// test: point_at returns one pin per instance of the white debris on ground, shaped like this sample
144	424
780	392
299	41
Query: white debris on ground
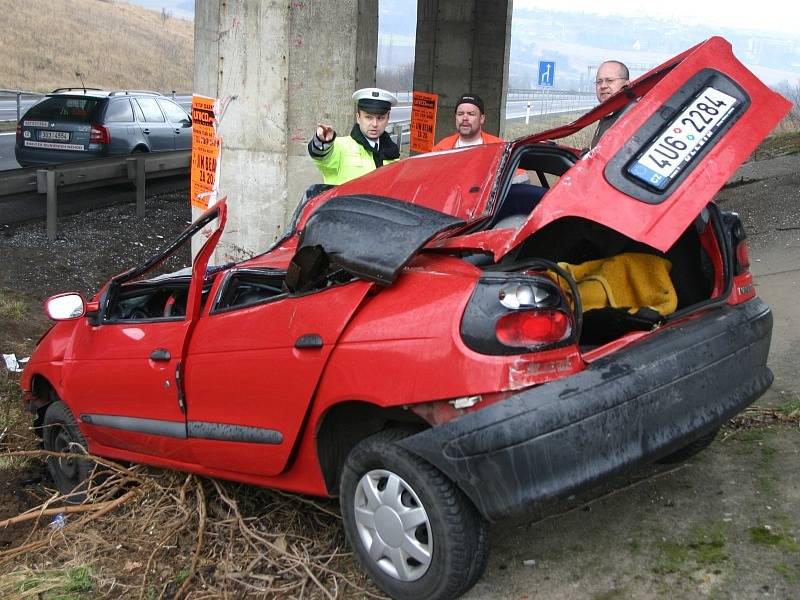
12	364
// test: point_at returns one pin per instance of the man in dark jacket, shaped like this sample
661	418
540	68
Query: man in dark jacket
366	148
612	76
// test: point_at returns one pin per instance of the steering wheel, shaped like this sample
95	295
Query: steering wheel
138	313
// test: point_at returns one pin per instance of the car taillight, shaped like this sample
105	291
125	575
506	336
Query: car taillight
512	313
99	135
742	257
19	132
532	328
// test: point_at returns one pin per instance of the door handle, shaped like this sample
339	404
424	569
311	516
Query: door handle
147	131
160	355
309	340
177	131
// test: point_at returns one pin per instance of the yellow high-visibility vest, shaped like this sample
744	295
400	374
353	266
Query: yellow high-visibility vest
346	160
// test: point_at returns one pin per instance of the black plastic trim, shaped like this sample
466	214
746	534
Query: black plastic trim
192	429
629	408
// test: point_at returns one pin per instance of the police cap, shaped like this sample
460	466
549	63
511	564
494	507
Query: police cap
374	100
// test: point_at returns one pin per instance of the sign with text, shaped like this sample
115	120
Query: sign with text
547	73
423	121
205	153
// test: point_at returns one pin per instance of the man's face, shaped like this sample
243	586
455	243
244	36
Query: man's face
469	119
609	81
372	125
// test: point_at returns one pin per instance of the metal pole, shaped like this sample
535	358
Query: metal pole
397	132
528	113
52	206
19	106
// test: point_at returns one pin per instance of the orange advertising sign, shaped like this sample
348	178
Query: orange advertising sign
205	152
423	121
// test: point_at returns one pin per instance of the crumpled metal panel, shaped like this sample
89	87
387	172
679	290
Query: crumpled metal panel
371	237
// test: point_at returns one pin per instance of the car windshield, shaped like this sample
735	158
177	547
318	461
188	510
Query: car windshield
73	109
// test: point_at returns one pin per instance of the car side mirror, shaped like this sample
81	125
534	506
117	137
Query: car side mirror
65	307
187	122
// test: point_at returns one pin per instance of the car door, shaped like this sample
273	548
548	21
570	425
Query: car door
123	130
254	363
689	124
123	370
181	123
157	131
251	373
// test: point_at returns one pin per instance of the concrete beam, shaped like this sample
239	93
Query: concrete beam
463	46
284	67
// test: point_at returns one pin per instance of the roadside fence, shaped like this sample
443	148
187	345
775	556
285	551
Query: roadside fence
82	175
15	96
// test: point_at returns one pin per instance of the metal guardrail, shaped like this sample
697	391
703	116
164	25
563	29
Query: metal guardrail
17	94
81	175
401	133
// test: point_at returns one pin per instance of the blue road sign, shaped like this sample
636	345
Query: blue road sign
547	72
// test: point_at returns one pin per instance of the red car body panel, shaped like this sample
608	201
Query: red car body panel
246	390
455	182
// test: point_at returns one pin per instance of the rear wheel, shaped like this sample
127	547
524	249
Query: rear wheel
412	529
60	433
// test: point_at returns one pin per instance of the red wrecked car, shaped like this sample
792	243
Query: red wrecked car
437	346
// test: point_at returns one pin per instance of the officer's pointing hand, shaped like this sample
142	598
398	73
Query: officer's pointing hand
325	133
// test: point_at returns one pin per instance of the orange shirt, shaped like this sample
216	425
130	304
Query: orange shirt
449	142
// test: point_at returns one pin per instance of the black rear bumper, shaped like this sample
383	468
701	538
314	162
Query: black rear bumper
633	407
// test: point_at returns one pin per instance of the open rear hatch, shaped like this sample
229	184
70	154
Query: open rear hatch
688	126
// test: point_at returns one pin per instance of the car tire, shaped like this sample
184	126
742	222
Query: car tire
441	549
60	433
689	450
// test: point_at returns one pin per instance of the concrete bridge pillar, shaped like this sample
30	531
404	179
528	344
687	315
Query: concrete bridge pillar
463	46
283	67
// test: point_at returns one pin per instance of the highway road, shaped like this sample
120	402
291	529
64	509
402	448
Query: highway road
515	109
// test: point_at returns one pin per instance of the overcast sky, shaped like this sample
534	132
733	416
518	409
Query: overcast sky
775	15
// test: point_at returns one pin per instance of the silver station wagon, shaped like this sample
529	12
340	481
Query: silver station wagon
77	124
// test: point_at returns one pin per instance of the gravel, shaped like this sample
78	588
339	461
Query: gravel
91	246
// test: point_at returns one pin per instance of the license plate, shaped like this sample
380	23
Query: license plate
60	136
682	139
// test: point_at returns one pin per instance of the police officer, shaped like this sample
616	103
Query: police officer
366	148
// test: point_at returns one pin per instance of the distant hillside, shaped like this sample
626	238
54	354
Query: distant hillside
113	44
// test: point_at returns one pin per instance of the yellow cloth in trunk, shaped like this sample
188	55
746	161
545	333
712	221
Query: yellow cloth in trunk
631	281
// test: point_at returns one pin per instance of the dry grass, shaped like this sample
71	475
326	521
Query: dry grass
145	533
114	45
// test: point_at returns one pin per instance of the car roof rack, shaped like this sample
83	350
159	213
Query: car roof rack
128	92
71	89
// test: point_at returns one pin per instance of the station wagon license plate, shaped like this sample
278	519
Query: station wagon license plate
54	146
682	139
59	136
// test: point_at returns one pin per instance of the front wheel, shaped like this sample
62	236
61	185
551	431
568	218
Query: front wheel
413	531
60	433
